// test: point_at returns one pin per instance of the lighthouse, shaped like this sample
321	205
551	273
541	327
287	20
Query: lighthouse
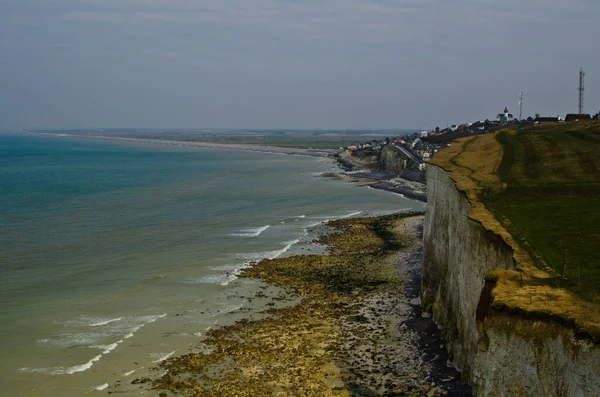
505	117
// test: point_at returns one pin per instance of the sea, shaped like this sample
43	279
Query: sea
116	255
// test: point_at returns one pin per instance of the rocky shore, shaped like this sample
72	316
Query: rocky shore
411	190
357	330
385	181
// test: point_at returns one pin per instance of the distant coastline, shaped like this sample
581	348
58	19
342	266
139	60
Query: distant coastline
210	145
376	180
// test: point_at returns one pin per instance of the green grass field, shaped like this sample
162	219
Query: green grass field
551	199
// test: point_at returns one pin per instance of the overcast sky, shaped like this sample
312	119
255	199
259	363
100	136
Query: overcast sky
292	63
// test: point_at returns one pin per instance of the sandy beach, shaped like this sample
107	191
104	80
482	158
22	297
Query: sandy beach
223	146
356	331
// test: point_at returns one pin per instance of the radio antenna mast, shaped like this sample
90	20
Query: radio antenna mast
581	89
520	106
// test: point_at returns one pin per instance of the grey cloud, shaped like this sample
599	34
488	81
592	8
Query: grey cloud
328	63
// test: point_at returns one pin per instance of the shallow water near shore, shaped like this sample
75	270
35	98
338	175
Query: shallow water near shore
117	255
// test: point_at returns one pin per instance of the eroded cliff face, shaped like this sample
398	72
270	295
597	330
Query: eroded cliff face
457	255
498	357
392	160
520	357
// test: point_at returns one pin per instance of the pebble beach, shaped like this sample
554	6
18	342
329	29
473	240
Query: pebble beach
355	330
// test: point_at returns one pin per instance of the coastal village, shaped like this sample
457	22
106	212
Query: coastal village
418	148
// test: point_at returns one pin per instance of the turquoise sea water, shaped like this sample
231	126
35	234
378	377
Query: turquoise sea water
116	255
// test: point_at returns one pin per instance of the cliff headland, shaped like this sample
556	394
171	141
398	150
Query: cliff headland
509	268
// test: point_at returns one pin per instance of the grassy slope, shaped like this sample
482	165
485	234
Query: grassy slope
552	199
543	189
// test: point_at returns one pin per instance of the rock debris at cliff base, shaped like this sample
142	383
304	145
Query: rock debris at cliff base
345	338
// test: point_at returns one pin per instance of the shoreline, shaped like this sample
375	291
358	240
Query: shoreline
403	190
381	180
384	181
177	332
356	331
208	145
378	180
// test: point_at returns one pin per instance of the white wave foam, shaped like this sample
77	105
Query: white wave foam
227	268
128	326
277	254
104	322
76	368
229	278
145	321
256	256
70	340
386	191
104	330
221	279
228	309
351	214
108	348
129	372
33	370
131	325
316	224
152	318
101	387
251	232
92	321
162	356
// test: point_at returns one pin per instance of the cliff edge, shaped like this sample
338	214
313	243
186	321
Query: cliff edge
513	325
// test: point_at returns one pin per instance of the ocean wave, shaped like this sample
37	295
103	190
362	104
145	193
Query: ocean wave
104	322
126	327
108	348
151	318
250	232
72	340
161	356
316	224
32	370
101	387
255	256
230	267
90	321
388	191
277	253
145	320
221	279
292	219
230	278
228	309
76	368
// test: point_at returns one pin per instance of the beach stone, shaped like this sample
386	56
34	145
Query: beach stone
345	333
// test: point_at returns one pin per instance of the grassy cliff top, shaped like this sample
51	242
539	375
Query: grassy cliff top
539	189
